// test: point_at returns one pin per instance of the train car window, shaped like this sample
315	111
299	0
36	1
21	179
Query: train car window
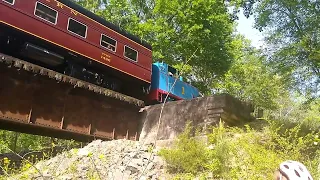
172	70
77	28
46	13
131	53
108	42
9	1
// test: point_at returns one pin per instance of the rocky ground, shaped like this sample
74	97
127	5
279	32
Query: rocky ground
118	159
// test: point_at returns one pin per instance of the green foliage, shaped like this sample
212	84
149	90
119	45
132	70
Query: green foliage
249	79
244	153
312	114
292	142
17	142
188	156
297	109
196	32
292	33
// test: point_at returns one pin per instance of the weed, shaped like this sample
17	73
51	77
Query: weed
189	156
242	153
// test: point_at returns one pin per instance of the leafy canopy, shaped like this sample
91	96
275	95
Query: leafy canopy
195	31
292	32
250	79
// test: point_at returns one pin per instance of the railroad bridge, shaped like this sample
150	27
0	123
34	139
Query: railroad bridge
39	101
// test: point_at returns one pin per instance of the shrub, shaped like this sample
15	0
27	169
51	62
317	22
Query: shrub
187	156
291	142
243	153
240	154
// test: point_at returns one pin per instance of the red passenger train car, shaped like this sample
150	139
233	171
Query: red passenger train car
63	36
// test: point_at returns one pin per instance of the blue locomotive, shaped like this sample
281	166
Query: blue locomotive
165	80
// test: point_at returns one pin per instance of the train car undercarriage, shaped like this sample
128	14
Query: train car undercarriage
37	100
39	52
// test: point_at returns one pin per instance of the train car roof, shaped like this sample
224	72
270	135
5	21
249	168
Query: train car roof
99	19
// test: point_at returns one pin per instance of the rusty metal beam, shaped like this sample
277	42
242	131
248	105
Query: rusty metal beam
40	105
19	64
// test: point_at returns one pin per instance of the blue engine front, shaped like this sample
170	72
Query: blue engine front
165	80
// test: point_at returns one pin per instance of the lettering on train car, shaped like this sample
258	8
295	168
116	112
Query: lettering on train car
59	4
106	57
74	12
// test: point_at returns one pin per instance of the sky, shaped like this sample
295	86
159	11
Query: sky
245	27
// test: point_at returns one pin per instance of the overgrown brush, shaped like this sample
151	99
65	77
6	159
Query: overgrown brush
242	153
189	156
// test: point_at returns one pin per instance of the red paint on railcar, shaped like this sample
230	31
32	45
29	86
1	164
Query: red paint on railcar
159	95
21	17
77	15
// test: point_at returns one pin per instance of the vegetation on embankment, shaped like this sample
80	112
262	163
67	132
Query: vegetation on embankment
282	78
253	151
243	153
16	142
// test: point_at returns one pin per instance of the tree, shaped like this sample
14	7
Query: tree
16	142
196	32
249	79
292	33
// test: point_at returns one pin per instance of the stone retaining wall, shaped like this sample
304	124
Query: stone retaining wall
202	112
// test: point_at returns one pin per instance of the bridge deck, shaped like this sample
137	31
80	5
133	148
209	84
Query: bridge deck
39	101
